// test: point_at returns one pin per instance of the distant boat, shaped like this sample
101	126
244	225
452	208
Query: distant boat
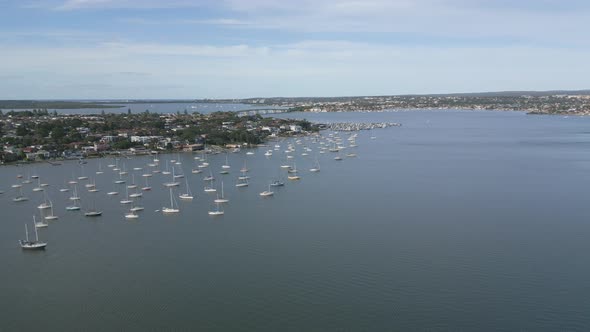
19	196
267	193
32	245
217	211
244	168
147	185
51	216
293	172
39	224
74	207
38	188
316	166
226	165
92	211
173	183
188	195
242	182
277	183
75	196
221	199
173	205
126	200
131	215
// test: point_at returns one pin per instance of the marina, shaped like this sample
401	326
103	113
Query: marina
424	211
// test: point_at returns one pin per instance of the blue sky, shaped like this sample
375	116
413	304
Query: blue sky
97	49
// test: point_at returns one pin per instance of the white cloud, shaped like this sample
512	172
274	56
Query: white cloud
328	67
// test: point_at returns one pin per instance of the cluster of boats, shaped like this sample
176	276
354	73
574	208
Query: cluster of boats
171	171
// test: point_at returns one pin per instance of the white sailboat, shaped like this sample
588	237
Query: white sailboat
131	215
173	207
120	181
316	167
52	216
92	211
126	200
293	175
132	185
39	224
147	184
221	199
173	183
267	193
242	182
38	187
75	196
74	207
45	204
167	171
217	211
32	245
99	171
226	165
188	195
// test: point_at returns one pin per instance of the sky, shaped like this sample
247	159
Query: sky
119	49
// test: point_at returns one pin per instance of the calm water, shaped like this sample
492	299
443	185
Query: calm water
203	108
454	221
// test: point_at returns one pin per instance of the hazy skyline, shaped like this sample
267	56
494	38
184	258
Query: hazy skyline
260	48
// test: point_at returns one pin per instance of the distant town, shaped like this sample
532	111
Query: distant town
36	135
34	130
532	102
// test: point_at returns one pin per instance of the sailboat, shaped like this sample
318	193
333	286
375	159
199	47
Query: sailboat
51	216
120	181
126	200
19	197
209	188
166	172
242	182
267	193
147	185
39	224
316	167
32	245
45	204
293	172
93	212
132	185
210	177
244	168
221	199
82	177
172	208
75	196
226	165
243	176
38	188
99	171
188	195
277	183
74	207
217	211
131	215
173	183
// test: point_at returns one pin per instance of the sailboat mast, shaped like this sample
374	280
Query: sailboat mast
27	230
36	234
